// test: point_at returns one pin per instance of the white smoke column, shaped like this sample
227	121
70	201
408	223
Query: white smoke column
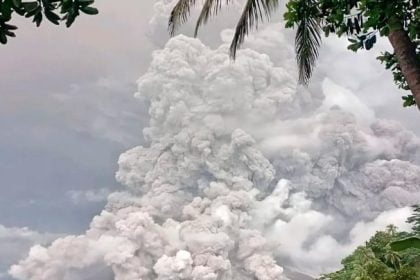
192	190
16	242
241	171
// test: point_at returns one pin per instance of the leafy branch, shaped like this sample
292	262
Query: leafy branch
55	11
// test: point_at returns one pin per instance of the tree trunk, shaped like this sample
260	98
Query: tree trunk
406	55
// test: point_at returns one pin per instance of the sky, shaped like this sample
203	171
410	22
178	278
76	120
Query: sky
67	112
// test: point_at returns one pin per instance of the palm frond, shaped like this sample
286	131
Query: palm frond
210	7
179	14
254	12
307	43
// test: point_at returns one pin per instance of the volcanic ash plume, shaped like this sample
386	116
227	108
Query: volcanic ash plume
188	211
238	168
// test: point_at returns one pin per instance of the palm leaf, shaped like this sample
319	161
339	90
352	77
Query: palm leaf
400	245
307	43
254	11
210	7
180	14
308	35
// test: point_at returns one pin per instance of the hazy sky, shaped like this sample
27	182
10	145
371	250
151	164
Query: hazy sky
67	112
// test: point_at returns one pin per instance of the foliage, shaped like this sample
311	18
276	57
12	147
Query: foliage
362	21
251	15
254	11
54	11
378	259
308	38
403	244
414	220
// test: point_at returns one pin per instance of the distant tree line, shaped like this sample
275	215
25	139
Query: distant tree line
388	255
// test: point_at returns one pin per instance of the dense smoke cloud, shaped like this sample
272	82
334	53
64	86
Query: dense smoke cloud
244	172
15	243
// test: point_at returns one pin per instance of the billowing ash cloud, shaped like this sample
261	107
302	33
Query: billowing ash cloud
15	243
243	173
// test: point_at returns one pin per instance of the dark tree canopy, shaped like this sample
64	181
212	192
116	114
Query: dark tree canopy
55	11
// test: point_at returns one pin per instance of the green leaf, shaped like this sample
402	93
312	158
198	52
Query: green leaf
355	46
9	33
51	16
89	10
393	25
3	38
412	242
30	6
384	31
6	11
17	3
86	2
20	10
10	27
66	5
70	17
370	42
38	19
36	11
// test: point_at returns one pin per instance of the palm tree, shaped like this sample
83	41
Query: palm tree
393	259
391	230
401	30
308	35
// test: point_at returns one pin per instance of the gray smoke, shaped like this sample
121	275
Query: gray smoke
244	172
